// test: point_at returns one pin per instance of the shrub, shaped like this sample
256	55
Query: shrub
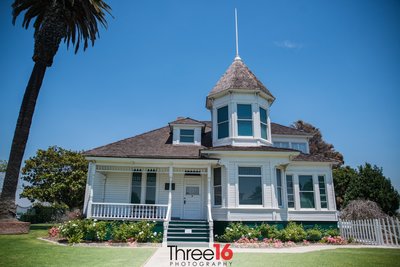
43	214
335	240
269	231
314	234
54	232
235	231
293	232
73	231
331	232
361	210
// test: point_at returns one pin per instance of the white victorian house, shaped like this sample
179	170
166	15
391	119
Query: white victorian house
196	176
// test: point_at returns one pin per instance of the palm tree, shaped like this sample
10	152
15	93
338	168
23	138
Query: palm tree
73	21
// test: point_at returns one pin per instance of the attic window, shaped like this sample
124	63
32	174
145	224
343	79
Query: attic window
187	136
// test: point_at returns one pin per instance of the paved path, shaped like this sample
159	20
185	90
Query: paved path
161	257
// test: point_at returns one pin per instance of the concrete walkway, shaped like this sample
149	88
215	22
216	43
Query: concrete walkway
161	257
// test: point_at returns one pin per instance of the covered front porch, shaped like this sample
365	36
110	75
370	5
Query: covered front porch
141	191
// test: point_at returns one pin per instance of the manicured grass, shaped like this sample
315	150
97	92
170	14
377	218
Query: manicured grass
27	250
340	257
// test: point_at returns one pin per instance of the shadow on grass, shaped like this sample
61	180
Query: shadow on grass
40	226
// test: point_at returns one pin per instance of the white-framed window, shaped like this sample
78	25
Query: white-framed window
263	123
279	187
290	190
186	136
136	190
250	190
300	146
322	192
244	120
223	122
151	183
149	188
217	187
282	144
306	191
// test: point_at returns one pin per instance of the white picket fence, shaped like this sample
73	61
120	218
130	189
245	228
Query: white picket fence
384	232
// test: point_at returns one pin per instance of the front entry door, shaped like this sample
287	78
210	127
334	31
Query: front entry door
192	198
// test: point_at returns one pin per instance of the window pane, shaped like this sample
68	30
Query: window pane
192	190
244	111
187	139
250	191
306	183
151	188
136	187
249	171
245	128
222	114
263	115
307	199
279	177
289	186
217	176
187	132
300	146
279	195
322	192
217	195
223	130
281	144
263	131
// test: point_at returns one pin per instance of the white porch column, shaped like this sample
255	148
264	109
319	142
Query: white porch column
90	182
209	214
169	209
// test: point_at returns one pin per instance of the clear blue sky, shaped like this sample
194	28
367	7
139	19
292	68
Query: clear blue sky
335	64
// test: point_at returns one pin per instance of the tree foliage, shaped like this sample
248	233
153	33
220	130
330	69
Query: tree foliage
366	183
317	145
362	210
57	176
3	165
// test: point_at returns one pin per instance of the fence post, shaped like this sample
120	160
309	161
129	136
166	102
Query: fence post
394	231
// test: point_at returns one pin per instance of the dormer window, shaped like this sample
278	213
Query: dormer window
186	136
263	123
244	120
223	122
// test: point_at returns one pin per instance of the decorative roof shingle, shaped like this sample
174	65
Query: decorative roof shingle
158	144
239	76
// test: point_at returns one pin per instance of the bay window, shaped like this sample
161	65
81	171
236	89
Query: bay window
223	122
290	191
250	190
244	120
322	192
263	123
306	190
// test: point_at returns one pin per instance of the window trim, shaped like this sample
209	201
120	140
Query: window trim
313	191
238	187
186	135
326	192
293	191
244	120
222	122
279	188
263	123
214	186
143	187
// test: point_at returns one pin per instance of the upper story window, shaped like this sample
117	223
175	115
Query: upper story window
187	136
244	120
300	146
250	192
282	144
223	122
263	123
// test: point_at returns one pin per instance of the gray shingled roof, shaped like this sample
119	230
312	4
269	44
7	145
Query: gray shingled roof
279	129
313	158
239	76
187	120
158	144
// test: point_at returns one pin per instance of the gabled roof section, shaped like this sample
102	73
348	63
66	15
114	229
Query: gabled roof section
187	121
279	129
239	76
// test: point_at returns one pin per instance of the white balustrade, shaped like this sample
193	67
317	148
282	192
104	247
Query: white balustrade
124	211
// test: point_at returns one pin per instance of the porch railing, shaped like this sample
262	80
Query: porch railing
128	211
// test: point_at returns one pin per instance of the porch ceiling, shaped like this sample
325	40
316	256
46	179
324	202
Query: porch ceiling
113	168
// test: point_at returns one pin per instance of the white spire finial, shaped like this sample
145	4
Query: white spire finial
237	37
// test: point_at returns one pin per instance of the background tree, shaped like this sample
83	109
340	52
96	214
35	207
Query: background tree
57	176
341	180
3	165
73	21
317	145
371	184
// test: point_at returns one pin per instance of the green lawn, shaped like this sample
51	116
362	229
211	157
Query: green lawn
340	257
27	250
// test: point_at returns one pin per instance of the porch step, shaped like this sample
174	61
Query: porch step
199	232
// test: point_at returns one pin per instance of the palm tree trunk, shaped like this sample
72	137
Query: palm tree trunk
7	198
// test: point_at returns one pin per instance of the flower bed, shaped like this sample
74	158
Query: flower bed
88	230
265	235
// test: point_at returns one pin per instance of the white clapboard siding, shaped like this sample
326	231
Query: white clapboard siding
118	187
384	231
